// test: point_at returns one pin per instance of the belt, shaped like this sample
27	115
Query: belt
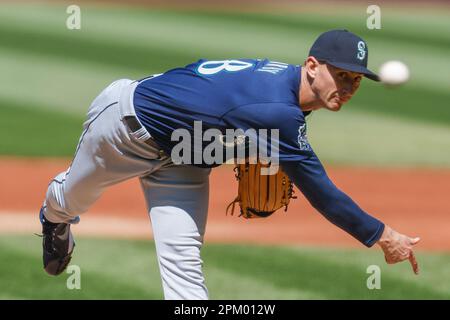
134	125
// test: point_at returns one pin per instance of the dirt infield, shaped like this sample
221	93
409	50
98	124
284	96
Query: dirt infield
413	201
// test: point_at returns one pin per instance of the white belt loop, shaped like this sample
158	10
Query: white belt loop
126	99
126	107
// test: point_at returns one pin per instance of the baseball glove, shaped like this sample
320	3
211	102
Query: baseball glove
259	196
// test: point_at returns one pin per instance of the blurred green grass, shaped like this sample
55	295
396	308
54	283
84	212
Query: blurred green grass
232	272
48	67
56	133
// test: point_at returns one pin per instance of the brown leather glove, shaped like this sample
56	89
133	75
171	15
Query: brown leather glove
259	195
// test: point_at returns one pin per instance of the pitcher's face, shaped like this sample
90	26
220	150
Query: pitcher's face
337	86
333	86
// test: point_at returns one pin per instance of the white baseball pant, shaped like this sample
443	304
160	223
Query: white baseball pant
109	152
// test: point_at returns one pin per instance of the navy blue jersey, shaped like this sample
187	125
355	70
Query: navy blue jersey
249	94
232	94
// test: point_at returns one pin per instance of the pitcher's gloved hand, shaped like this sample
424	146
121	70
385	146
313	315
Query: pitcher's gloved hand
398	247
260	195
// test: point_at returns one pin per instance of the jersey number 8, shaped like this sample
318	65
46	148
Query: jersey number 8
213	67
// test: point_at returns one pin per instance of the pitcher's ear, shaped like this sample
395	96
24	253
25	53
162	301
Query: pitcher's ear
311	66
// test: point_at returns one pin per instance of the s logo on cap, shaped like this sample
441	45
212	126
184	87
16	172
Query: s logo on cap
361	50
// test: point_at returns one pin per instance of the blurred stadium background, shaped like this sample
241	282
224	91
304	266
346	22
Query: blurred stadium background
51	74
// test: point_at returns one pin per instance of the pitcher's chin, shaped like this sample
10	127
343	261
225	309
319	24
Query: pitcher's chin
334	105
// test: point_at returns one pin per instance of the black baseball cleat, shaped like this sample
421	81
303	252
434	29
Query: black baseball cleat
57	245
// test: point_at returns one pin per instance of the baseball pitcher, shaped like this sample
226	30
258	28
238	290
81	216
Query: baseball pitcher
134	129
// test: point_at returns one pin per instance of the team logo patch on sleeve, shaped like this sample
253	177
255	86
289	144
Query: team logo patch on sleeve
303	138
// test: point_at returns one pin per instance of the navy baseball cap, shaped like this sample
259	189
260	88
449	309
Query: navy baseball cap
343	49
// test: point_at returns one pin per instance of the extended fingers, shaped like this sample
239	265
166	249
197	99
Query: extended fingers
414	264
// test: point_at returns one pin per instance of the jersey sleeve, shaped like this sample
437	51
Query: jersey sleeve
285	123
310	178
301	164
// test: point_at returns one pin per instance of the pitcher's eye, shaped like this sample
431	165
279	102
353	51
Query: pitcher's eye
343	75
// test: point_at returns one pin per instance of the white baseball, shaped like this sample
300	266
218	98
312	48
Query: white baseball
394	72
